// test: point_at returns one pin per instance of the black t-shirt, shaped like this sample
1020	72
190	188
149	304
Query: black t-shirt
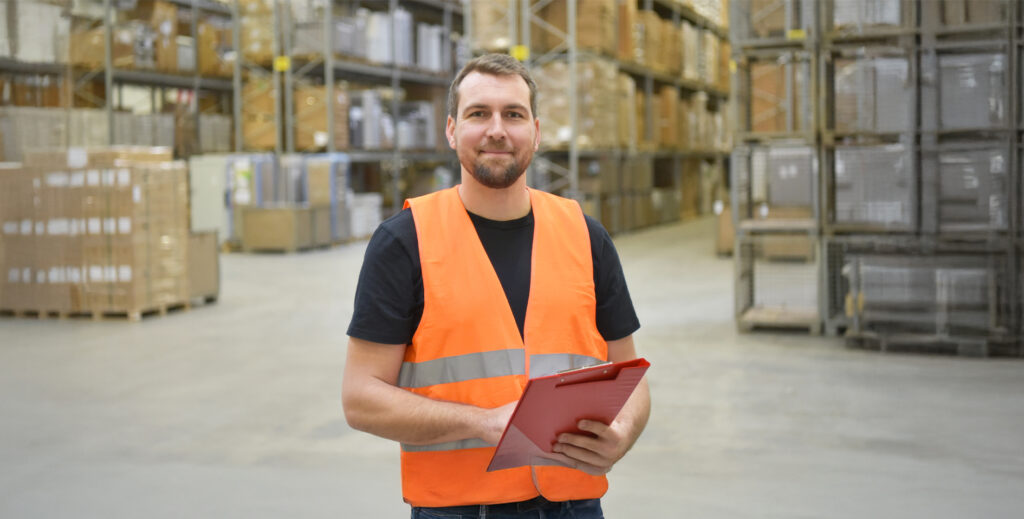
389	296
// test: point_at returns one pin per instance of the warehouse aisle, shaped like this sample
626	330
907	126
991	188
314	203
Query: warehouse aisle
234	410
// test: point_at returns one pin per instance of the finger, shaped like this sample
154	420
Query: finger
591	426
582	455
585	442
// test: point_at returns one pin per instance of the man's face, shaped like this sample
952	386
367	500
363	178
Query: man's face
495	133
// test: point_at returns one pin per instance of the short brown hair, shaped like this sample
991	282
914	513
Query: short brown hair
495	65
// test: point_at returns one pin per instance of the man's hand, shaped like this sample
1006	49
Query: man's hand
597	454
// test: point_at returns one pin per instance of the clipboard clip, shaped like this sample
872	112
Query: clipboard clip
573	370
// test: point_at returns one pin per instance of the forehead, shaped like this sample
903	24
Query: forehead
490	90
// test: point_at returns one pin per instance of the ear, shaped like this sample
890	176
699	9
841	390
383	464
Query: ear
536	132
449	131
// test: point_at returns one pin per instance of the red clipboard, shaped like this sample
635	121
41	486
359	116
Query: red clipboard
554	404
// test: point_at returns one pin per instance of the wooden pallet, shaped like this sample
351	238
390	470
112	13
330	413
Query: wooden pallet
933	344
779	319
134	315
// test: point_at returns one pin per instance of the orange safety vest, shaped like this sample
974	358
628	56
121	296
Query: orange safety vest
467	347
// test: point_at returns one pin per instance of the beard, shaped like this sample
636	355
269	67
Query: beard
496	178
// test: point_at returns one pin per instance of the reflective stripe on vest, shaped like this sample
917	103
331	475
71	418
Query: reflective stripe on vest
465	310
460	368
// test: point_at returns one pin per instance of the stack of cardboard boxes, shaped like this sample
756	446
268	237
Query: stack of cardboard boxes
598	86
311	116
258	27
95	231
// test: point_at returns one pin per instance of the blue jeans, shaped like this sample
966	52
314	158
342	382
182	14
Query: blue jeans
538	508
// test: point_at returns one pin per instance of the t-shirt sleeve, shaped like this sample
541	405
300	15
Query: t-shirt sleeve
385	309
616	317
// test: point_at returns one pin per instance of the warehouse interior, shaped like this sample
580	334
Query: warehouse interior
816	203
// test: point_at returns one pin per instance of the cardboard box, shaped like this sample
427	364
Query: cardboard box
284	229
203	265
311	115
725	234
626	31
595	26
491	24
768	18
787	247
258	39
770	105
321	225
668	118
87	48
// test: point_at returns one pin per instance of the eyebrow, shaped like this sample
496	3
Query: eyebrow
511	106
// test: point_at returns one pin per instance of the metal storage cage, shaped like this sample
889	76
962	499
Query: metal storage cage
889	293
969	192
869	90
841	18
755	22
777	281
871	188
774	92
775	186
973	91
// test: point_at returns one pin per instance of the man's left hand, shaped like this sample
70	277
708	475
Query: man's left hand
596	454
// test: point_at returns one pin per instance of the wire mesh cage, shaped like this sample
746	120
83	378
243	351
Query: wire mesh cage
869	90
922	293
871	187
965	189
755	21
775	94
777	281
860	17
775	186
973	90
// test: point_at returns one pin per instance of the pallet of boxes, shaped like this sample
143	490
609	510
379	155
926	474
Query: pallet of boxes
101	233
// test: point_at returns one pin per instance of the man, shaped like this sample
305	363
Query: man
471	291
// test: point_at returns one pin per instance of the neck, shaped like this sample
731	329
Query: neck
505	204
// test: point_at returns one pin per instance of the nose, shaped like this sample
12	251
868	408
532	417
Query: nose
495	127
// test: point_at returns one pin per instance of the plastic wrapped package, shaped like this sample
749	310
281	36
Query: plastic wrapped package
858	15
872	95
874	185
596	91
973	91
973	189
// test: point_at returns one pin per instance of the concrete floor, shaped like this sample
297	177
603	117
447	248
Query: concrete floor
234	410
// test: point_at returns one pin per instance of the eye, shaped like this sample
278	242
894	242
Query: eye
515	115
478	113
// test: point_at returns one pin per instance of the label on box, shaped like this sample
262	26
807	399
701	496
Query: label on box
94	225
40	227
764	210
108	177
58	227
137	194
13	275
718	207
96	273
320	138
40	276
75	228
77	158
26	275
77	179
57	179
10	227
92	177
74	275
109	226
796	34
124	177
26	227
124	274
56	275
124	225
995	164
110	274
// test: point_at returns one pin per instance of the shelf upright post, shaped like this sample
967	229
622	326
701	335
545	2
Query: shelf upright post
108	68
329	87
236	79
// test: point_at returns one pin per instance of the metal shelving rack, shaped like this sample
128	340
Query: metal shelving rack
114	77
329	68
777	243
933	277
546	172
158	81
